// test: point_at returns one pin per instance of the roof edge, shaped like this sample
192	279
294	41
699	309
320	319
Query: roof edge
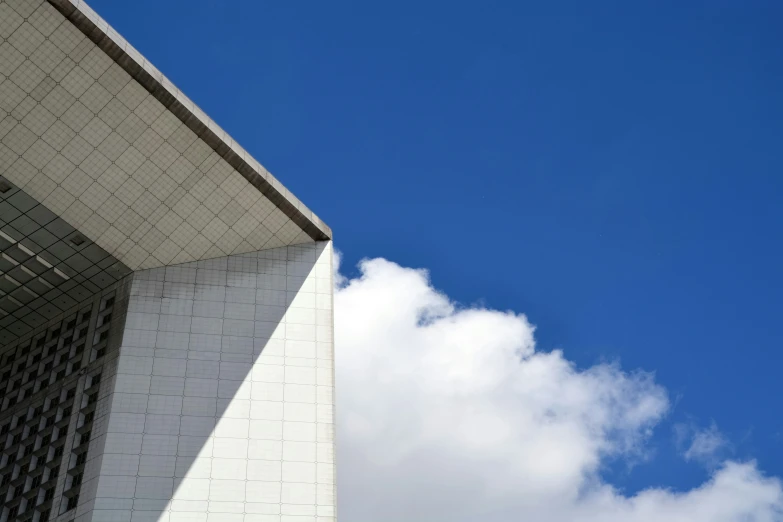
140	69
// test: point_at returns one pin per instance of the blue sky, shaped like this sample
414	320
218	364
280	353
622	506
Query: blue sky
611	170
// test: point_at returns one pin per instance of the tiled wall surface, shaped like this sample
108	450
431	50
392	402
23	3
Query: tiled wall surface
223	398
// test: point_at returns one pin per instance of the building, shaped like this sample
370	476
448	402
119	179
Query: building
165	303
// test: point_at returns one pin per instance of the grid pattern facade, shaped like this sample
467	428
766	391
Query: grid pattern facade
46	266
51	383
222	405
83	137
166	350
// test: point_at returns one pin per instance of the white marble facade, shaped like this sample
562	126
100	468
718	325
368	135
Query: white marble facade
222	406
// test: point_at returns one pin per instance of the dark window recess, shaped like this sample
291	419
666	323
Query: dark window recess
81	459
83	332
77	480
54	402
104	336
93	399
40	342
88	418
48	366
60	374
37	411
11	459
5	429
11	401
80	348
96	379
45	515
71	324
36	481
67	340
55	333
70	394
72	502
50	421
32	375
100	353
36	358
49	495
7	376
28	450
17	384
46	440
17	438
67	412
12	512
75	366
58	451
17	492
6	480
33	430
109	302
22	394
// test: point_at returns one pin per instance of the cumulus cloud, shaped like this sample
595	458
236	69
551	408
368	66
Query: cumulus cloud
450	413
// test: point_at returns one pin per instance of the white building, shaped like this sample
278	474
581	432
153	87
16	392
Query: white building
165	303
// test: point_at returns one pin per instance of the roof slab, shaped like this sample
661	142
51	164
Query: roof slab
97	137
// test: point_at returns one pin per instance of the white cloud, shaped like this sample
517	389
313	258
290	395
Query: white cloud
450	414
701	445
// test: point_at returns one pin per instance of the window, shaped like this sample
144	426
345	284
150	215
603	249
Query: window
36	481
109	302
60	374
40	342
36	358
96	379
100	353
76	366
49	495
81	459
77	480
70	394
55	333
71	324
72	502
44	516
85	437
6	479
66	412
58	451
88	418
12	512
5	429
28	450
